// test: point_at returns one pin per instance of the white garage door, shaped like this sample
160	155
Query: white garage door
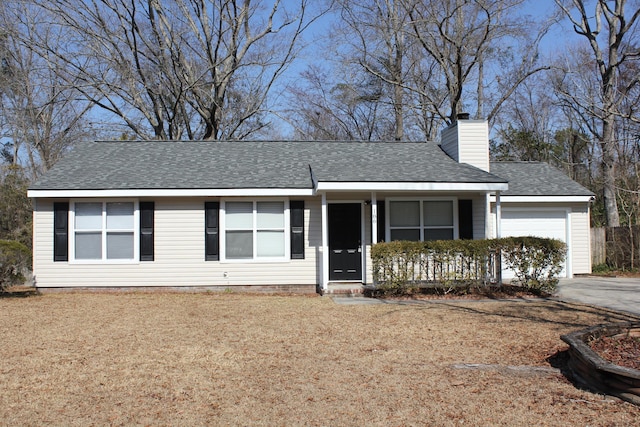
551	224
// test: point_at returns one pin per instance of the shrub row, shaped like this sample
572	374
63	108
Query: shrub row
401	267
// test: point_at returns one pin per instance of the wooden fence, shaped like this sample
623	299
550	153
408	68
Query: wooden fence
598	246
619	247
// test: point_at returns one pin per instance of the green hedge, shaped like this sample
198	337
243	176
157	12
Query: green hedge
535	261
401	267
15	259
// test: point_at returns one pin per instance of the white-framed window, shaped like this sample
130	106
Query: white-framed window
422	219
255	230
104	231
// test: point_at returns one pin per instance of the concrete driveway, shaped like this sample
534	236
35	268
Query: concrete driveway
617	293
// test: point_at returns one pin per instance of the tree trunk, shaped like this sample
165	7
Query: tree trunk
608	172
398	101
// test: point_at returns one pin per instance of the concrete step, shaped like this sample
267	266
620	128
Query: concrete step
345	289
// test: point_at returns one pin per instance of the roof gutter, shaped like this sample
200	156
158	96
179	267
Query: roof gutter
200	192
543	199
411	186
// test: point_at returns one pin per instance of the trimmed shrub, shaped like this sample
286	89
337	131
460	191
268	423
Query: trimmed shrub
401	267
536	262
15	259
395	265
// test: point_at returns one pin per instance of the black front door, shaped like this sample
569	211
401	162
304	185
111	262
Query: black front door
345	241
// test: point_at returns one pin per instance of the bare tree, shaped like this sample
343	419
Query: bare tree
42	115
180	69
610	30
434	59
322	108
534	126
375	33
464	38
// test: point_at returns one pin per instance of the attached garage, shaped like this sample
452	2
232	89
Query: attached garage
550	223
542	201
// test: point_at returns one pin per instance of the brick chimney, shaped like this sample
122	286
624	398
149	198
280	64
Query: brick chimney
467	141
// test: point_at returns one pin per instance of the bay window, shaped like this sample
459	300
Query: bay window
420	220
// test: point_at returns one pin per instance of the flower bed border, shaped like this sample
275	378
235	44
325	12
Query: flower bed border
594	372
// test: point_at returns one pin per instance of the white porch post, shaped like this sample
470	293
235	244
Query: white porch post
487	216
374	218
498	216
325	245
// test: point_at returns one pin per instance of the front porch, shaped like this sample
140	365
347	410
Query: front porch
351	222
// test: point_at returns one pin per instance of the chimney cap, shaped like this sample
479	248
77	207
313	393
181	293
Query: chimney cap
463	116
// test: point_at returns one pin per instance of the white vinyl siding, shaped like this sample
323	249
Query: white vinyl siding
179	250
178	257
468	142
580	239
479	208
449	142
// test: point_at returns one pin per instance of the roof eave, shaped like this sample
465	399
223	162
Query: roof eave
178	192
544	199
410	186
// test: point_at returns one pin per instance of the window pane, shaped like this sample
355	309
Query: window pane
270	243
438	234
88	216
270	215
120	216
239	215
413	235
438	213
119	245
404	214
88	245
239	244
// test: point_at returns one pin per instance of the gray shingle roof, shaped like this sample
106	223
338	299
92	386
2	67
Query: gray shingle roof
537	179
251	164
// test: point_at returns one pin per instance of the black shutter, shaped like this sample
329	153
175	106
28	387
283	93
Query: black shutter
211	231
296	208
146	231
61	231
465	219
381	219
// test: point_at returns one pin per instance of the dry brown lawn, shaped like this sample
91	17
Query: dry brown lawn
225	359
